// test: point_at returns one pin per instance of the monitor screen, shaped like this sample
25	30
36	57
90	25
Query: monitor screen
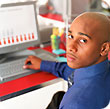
18	27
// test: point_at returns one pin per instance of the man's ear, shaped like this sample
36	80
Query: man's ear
105	49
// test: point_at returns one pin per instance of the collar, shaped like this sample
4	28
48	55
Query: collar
91	71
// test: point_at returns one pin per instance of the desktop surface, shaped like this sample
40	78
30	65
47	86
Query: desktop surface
24	84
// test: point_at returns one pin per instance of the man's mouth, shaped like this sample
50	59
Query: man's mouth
70	57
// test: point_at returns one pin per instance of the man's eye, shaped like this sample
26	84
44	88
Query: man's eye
70	36
83	40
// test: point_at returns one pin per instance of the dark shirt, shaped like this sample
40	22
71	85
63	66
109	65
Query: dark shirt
91	88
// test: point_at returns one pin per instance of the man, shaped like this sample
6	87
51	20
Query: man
87	69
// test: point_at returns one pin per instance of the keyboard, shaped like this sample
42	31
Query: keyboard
14	69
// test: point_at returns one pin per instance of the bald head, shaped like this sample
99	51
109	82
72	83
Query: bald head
97	23
88	40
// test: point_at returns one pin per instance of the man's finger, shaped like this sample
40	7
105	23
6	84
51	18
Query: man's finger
27	67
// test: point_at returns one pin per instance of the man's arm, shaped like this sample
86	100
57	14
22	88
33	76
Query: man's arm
60	69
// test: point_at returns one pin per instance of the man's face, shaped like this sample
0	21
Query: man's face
83	44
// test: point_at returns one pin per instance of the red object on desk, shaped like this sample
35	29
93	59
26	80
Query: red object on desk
25	82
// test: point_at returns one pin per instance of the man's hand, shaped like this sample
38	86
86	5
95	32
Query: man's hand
35	63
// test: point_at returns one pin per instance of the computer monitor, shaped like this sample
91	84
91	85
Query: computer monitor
18	27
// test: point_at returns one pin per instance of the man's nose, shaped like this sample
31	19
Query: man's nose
72	47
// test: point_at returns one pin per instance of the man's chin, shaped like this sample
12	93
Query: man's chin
74	66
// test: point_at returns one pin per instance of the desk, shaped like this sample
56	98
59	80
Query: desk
30	92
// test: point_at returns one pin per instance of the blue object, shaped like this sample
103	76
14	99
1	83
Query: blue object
59	51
